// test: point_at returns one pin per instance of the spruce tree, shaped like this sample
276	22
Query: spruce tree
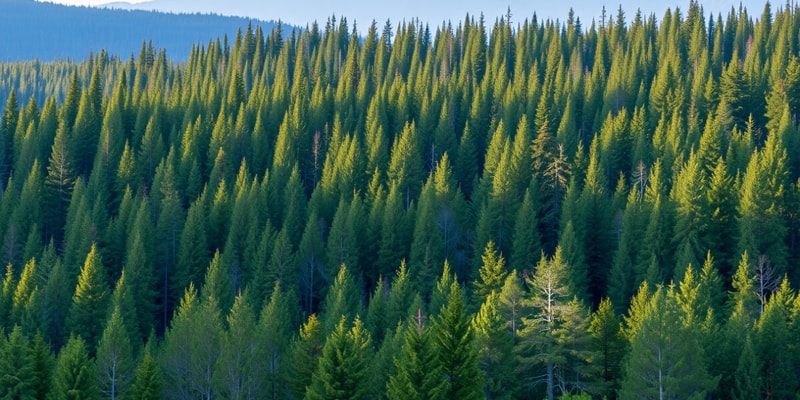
74	377
274	332
306	349
90	301
148	383
344	365
417	374
666	359
491	275
17	373
115	364
454	344
496	349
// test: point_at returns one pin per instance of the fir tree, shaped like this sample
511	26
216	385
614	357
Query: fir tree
115	365
17	373
147	384
343	365
417	374
454	344
74	376
90	301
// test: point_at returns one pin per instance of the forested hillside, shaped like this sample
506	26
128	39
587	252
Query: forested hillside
48	32
508	209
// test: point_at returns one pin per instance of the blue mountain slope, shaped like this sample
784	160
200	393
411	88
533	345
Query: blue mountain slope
45	31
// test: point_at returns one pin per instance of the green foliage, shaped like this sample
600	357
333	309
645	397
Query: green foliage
496	349
148	383
90	301
74	376
306	349
454	344
417	374
666	357
114	360
318	171
17	373
608	347
344	365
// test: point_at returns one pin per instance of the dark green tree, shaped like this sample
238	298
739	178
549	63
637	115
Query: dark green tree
115	364
74	377
90	301
417	374
344	365
306	349
496	349
454	344
17	368
148	383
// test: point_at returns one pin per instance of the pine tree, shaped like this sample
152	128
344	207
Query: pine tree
341	301
778	377
274	329
115	365
147	384
17	373
552	328
305	353
527	243
748	378
608	349
491	275
237	373
454	344
344	365
217	284
44	363
666	359
58	186
417	375
496	349
74	377
90	301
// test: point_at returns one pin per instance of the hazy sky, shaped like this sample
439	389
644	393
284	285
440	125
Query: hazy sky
300	12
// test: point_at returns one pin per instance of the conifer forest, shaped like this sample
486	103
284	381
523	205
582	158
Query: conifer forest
504	208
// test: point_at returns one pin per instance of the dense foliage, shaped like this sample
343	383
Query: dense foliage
46	31
524	210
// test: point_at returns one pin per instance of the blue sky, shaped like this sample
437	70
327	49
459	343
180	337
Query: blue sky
300	12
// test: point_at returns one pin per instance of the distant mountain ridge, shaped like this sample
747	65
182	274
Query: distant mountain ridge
47	31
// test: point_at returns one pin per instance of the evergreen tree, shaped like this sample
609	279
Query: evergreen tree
147	384
115	365
344	365
666	359
748	379
236	374
496	349
454	344
90	301
417	375
17	373
44	364
547	336
305	353
491	275
58	186
608	349
778	377
341	301
74	376
274	330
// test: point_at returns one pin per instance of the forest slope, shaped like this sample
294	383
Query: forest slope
453	212
47	31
